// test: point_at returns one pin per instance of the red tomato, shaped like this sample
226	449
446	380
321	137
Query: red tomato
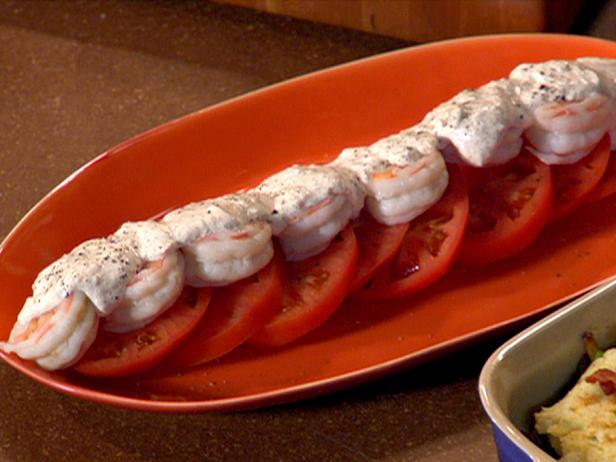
314	289
235	313
378	245
509	206
574	183
607	184
428	249
116	355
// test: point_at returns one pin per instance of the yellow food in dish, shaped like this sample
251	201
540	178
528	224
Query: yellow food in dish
582	426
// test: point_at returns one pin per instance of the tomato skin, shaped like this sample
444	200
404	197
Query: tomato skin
315	288
117	355
607	184
574	183
235	313
429	247
378	245
509	206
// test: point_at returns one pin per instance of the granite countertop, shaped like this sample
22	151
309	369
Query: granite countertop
78	77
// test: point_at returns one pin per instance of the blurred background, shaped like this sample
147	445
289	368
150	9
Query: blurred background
429	20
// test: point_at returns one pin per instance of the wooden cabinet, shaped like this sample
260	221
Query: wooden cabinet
427	20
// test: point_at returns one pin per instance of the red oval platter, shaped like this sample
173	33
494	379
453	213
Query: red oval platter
310	119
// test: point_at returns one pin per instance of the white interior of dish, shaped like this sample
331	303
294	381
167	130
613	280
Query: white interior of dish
533	367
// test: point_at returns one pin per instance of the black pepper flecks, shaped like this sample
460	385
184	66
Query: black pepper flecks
554	81
474	131
301	186
231	213
94	267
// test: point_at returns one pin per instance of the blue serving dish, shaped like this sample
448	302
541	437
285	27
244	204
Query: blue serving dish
534	367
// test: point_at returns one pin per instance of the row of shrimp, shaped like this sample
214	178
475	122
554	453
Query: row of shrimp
124	281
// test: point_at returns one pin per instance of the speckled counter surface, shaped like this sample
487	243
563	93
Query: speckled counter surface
76	78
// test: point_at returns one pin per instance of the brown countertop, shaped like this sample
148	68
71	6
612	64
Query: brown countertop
76	78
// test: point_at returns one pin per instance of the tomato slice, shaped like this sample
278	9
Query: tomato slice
573	183
429	246
378	245
607	184
116	355
235	313
509	206
314	289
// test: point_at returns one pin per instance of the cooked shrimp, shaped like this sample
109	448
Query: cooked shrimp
150	293
225	257
158	282
402	178
566	132
312	234
100	268
57	338
574	117
311	204
606	69
224	239
480	127
570	108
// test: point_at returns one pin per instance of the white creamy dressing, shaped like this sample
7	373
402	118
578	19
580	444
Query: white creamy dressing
479	123
554	81
150	240
100	268
363	162
412	147
408	147
299	188
605	69
225	214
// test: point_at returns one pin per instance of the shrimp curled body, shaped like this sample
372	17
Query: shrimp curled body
310	205
222	258
571	110
150	293
402	180
223	240
567	132
57	338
